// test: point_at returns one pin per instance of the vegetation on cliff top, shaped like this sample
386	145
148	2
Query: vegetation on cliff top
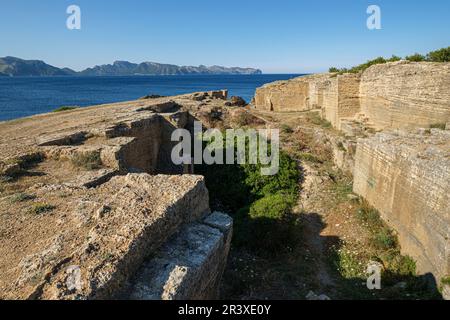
441	55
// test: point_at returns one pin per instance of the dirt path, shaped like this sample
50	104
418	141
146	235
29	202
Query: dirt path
326	221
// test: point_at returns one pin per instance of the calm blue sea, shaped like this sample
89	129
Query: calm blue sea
21	97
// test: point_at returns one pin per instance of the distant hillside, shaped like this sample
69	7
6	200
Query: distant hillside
10	66
125	68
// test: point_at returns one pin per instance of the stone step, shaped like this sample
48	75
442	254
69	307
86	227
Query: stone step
188	266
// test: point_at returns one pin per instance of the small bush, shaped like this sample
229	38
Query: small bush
274	207
342	188
244	118
286	129
340	146
316	119
41	208
308	157
21	197
333	70
442	55
65	108
445	281
398	265
384	239
394	58
369	216
347	264
267	226
417	57
440	126
87	160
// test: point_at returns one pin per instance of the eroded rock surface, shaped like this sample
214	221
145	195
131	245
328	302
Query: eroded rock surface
406	176
89	195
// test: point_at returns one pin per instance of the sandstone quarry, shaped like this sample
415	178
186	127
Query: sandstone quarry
93	208
387	96
404	172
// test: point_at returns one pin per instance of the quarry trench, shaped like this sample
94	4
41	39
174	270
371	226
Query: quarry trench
332	234
333	227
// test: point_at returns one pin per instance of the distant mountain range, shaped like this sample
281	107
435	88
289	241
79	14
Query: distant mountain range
12	67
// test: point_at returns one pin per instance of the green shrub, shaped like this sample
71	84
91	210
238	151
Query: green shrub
369	216
21	197
445	281
263	221
394	58
286	180
417	57
273	207
309	157
316	119
333	70
41	208
88	160
347	264
441	126
442	55
398	266
341	147
286	129
384	239
267	226
65	108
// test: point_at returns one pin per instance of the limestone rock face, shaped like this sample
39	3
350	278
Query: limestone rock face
387	96
189	265
87	196
406	176
340	98
406	94
299	94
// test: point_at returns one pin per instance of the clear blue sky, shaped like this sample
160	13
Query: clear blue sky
284	36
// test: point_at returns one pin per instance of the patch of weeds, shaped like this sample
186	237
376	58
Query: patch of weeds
263	218
273	227
369	216
87	160
445	281
65	108
440	126
244	119
384	239
341	147
343	185
316	119
21	197
36	278
286	129
108	256
347	263
5	179
41	208
308	157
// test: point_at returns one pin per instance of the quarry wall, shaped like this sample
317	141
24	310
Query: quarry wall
404	172
387	96
406	176
406	95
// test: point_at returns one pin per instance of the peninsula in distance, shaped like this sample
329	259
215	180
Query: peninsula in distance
13	67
